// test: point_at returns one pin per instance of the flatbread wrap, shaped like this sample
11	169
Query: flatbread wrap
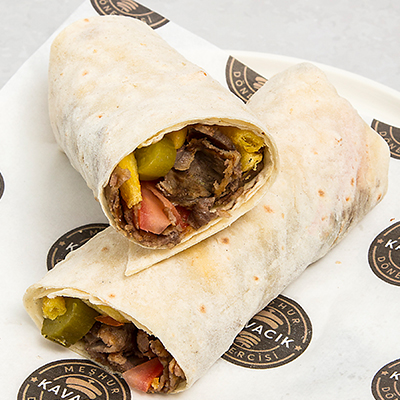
170	154
334	170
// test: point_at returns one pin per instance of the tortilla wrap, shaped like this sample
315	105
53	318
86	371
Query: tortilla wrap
116	86
334	170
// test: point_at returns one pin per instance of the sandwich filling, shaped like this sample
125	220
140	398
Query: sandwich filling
164	191
116	344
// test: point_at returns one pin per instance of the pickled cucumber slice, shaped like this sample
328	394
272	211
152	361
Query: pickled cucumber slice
178	137
130	189
156	160
70	327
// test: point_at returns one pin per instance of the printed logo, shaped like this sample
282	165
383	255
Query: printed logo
71	241
384	255
275	336
385	384
129	8
391	135
1	186
73	380
242	81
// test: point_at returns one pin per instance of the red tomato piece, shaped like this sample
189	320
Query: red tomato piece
141	376
151	215
180	213
184	214
166	203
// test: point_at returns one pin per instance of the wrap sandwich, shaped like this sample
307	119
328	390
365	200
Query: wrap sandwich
182	314
170	154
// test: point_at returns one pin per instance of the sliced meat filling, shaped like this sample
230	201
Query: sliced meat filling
206	177
207	167
122	348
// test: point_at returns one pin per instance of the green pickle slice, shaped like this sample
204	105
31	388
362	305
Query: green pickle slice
156	160
71	326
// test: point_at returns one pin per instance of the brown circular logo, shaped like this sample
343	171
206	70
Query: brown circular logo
1	186
71	241
391	135
73	380
385	384
384	255
129	8
275	336
242	81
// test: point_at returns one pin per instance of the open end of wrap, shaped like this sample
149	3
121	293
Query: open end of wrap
109	338
180	184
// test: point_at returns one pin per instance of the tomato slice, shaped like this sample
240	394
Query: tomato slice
141	376
184	215
166	203
151	215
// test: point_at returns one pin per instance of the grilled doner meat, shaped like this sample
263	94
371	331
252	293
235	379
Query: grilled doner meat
207	174
121	348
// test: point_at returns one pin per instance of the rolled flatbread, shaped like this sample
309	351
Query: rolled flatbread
170	154
334	170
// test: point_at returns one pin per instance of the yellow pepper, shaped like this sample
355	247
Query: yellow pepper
178	137
248	144
130	189
52	308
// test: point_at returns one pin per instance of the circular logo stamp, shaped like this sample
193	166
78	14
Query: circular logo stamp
129	8
384	255
73	380
275	336
2	186
391	135
71	241
242	81
385	384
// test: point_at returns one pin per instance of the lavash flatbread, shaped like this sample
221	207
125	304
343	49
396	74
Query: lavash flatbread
334	170
115	85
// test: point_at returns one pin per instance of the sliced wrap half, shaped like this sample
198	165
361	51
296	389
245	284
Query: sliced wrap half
170	154
334	170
